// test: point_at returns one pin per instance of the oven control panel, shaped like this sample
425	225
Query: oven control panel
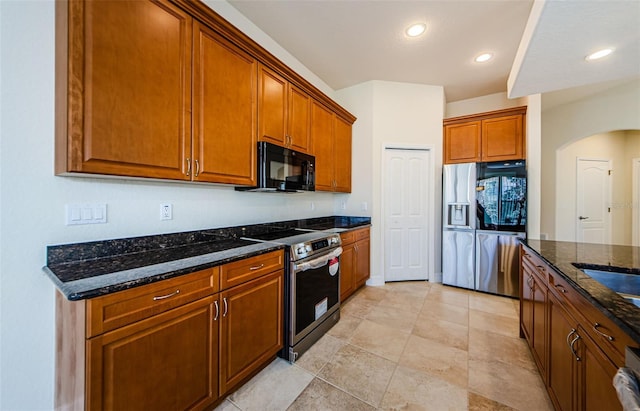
309	248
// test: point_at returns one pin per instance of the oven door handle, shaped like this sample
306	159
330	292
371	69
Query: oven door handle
319	261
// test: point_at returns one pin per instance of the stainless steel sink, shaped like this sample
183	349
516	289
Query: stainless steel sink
625	284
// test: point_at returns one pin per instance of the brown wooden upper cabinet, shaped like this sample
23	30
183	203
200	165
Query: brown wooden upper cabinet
493	136
224	111
283	112
169	89
331	136
130	113
121	111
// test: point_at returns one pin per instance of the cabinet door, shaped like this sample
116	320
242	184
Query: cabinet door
502	138
322	141
251	328
299	120
362	262
526	305
272	107
342	155
224	117
595	390
462	143
539	325
347	271
561	377
127	113
167	362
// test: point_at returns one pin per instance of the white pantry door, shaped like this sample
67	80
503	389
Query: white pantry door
593	201
407	195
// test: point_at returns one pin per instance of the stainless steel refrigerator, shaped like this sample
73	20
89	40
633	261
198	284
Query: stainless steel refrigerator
480	249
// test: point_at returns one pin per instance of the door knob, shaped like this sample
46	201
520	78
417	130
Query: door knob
582	218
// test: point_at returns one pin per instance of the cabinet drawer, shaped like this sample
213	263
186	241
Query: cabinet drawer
242	271
536	266
563	290
609	337
348	237
361	234
115	310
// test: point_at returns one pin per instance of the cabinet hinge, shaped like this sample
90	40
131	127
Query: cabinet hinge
610	172
609	208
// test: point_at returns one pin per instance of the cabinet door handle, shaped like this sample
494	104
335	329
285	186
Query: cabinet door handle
197	168
573	351
561	288
573	330
582	218
226	307
217	310
188	166
164	297
595	328
257	267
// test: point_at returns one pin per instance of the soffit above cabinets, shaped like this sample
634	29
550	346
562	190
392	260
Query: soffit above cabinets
560	34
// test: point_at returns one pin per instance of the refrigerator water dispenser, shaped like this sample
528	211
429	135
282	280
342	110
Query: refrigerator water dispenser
458	215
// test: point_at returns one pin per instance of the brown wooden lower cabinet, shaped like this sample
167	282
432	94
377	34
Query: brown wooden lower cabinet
164	362
595	374
354	261
177	344
576	363
251	328
562	368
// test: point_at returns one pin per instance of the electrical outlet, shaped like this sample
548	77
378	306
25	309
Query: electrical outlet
166	211
364	206
344	205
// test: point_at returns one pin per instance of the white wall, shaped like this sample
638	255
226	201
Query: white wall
392	113
491	102
615	109
33	199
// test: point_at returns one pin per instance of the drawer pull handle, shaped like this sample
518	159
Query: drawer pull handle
217	310
197	168
226	307
595	328
164	297
188	167
561	288
257	267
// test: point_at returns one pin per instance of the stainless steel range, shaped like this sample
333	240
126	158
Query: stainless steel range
312	286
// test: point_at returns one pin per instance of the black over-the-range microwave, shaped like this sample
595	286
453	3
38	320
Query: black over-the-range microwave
283	170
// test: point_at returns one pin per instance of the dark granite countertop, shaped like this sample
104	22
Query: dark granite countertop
562	254
87	270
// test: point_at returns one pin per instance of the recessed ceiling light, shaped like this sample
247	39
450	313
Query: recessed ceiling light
599	54
483	57
415	30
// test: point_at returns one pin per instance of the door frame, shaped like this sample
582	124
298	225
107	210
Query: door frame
635	202
609	220
429	149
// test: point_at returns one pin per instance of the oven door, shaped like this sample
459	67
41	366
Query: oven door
315	292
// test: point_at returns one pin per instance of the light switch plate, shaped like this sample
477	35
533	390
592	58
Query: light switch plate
85	213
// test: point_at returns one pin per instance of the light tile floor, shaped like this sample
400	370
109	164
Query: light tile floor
407	346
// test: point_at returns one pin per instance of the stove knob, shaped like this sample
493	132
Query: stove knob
309	248
300	250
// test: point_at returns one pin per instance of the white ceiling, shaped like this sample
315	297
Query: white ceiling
347	42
